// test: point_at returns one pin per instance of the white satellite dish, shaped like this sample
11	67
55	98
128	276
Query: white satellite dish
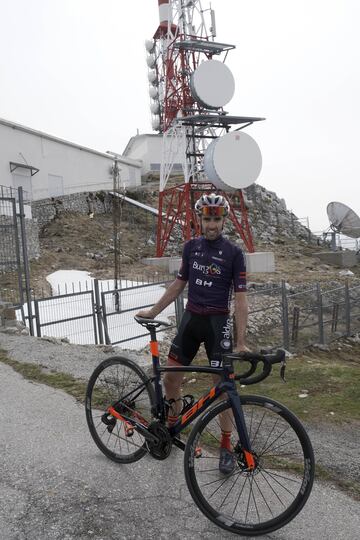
155	107
153	92
212	84
152	76
343	219
233	160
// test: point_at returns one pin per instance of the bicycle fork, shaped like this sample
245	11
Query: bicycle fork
245	444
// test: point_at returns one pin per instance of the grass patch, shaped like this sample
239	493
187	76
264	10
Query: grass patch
55	379
332	382
351	488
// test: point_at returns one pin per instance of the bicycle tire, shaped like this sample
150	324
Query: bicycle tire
113	378
258	502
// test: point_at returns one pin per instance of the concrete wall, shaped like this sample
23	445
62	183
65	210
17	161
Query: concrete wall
64	167
148	149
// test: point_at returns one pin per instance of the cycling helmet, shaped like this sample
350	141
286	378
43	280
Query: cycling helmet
212	205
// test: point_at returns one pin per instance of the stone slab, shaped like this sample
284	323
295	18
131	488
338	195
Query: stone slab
343	259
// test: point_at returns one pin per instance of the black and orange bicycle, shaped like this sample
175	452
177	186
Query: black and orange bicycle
274	467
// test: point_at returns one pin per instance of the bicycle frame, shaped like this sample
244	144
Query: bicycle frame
227	385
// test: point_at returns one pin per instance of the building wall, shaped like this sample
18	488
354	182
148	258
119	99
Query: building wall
64	168
148	149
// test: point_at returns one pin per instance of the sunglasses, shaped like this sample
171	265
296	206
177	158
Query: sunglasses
213	211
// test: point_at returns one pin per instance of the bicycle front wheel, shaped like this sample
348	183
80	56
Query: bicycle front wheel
254	502
120	383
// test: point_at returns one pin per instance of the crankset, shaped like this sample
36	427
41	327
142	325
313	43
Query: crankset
161	448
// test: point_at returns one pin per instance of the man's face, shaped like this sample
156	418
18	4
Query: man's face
212	226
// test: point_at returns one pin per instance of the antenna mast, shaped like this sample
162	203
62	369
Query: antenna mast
188	123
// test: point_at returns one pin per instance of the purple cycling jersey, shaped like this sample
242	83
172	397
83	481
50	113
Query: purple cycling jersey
213	269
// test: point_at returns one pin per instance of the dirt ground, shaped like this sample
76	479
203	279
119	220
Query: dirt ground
76	242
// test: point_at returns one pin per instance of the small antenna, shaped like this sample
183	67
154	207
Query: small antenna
213	23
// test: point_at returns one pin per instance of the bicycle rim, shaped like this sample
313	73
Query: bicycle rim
120	383
255	502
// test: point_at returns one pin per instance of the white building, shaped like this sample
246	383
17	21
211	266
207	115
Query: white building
148	149
46	166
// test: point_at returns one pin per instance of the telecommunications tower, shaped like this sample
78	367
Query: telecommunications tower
189	86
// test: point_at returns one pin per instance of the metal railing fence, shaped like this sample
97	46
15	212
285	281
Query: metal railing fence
278	315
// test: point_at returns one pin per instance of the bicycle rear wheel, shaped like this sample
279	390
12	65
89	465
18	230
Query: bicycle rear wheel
120	383
254	502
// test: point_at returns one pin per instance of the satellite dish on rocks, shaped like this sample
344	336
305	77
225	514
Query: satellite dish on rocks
343	219
233	161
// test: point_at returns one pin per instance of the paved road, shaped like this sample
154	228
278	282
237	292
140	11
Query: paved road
55	484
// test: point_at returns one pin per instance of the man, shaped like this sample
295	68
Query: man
212	266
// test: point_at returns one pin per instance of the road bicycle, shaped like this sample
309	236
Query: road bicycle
274	470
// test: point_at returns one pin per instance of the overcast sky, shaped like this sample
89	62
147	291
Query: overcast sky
76	69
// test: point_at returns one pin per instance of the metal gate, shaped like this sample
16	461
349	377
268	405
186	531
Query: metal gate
68	315
15	288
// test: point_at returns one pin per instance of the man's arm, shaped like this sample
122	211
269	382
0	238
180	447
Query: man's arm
171	293
241	318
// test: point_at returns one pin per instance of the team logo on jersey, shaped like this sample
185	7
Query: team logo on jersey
212	269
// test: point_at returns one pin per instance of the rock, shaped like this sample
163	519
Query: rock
321	347
344	273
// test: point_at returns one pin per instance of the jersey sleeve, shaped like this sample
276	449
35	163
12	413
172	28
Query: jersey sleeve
183	272
239	271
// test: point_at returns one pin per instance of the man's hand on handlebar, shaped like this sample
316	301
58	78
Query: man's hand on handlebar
146	314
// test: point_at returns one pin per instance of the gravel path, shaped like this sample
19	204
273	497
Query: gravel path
336	447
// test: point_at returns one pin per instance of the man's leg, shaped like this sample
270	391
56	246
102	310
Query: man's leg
219	342
172	384
182	351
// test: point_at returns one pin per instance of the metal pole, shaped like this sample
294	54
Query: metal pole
37	318
18	259
285	316
320	314
347	309
25	259
98	309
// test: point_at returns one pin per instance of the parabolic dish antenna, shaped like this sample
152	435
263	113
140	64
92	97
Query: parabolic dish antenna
343	219
212	84
233	160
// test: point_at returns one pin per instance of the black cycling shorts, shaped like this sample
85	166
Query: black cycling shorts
212	330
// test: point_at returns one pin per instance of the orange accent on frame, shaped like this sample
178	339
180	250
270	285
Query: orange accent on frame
114	413
198	405
154	348
250	462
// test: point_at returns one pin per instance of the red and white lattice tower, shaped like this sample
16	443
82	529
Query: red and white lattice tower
180	44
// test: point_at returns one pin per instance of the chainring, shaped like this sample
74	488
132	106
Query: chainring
162	448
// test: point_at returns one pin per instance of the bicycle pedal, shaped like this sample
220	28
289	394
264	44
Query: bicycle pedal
129	430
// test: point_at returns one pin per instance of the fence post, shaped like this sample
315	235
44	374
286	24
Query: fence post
347	309
285	316
25	259
320	314
98	311
37	318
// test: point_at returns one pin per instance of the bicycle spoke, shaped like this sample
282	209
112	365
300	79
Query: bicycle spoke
120	383
257	500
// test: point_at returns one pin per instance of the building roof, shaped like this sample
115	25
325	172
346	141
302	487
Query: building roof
136	138
19	127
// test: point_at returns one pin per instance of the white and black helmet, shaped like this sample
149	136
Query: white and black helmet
212	205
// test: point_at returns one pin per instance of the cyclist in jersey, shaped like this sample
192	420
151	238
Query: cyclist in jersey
213	267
